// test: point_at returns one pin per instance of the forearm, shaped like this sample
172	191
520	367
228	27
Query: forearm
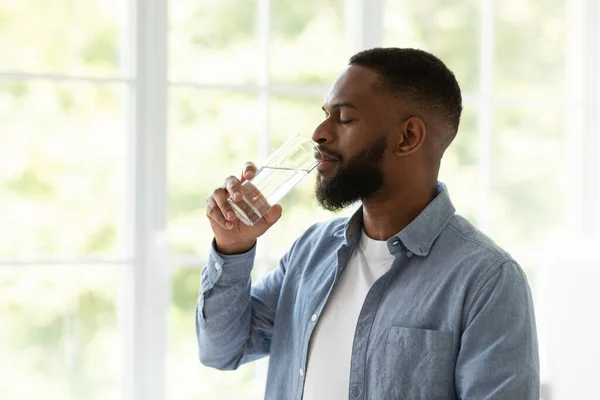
224	312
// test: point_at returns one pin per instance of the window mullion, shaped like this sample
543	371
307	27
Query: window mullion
582	122
147	290
485	113
591	120
364	25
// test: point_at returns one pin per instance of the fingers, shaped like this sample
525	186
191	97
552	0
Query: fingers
219	209
249	171
234	187
226	209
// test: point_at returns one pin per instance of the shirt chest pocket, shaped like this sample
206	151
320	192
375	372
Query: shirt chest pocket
417	364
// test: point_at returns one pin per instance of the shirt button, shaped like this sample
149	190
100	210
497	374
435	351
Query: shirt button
409	254
313	318
301	372
218	266
395	242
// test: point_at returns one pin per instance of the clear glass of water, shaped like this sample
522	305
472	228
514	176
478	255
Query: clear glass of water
288	165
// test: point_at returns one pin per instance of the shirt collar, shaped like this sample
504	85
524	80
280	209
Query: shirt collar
419	235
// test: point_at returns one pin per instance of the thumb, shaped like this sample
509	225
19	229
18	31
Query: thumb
272	215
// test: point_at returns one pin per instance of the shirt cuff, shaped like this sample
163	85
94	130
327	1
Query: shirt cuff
227	268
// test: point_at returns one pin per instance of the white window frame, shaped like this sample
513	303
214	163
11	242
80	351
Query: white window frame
147	300
583	118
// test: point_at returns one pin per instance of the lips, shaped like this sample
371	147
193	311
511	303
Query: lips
323	156
327	161
326	165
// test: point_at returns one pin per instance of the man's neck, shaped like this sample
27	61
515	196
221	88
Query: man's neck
386	215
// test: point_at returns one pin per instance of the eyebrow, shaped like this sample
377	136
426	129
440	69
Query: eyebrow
340	105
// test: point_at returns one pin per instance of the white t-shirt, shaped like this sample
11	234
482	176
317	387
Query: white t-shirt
330	349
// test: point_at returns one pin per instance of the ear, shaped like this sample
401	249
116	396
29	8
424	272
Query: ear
411	136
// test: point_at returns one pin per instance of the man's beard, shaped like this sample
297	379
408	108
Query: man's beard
359	179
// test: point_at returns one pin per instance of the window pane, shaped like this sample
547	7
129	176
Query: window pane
186	377
213	41
447	28
60	337
308	44
61	169
300	209
528	167
294	114
66	37
459	170
211	136
530	46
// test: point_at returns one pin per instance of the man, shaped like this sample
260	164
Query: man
404	300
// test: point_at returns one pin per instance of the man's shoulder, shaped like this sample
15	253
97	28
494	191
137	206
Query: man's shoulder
473	259
472	251
473	238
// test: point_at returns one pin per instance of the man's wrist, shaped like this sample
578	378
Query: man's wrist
234	248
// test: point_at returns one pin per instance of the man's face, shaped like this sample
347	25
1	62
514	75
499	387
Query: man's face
353	139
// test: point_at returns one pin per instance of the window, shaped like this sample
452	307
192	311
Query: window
63	107
119	118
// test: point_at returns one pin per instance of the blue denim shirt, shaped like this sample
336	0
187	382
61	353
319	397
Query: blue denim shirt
452	318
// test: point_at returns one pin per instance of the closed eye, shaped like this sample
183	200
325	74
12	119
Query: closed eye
345	121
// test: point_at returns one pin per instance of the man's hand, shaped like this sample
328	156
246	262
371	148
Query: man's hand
233	236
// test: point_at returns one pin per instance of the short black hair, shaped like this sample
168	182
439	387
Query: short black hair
420	77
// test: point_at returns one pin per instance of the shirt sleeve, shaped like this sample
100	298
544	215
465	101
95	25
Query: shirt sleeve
234	321
498	357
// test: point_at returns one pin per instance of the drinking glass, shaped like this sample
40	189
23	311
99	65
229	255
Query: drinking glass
288	165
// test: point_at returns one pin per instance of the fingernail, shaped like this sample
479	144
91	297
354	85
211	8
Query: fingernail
230	215
237	196
229	224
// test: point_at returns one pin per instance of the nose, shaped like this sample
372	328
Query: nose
322	133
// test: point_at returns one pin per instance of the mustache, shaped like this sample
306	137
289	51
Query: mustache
326	154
